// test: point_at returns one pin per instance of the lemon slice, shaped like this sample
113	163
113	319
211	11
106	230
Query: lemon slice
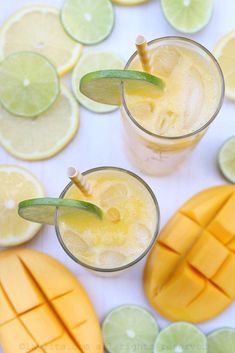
29	84
38	29
88	21
42	137
91	62
16	184
225	54
129	2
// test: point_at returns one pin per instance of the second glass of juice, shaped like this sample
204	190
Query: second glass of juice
129	226
161	129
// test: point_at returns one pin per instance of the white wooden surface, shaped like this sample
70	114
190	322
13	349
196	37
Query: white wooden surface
99	142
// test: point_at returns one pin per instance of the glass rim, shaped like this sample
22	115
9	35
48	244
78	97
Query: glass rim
220	103
142	255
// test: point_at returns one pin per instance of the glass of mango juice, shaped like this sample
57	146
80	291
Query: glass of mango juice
161	130
127	231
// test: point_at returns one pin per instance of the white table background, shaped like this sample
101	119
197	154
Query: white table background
99	142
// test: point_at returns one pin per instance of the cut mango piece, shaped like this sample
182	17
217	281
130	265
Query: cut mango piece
224	277
18	284
63	345
6	311
207	304
42	306
207	255
71	311
180	233
14	338
42	324
223	225
189	274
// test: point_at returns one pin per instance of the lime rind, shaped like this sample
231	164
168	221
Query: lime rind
188	16
88	22
105	86
226	160
29	84
181	337
221	340
42	210
129	328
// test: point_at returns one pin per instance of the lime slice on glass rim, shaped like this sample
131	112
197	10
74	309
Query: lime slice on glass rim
181	338
88	21
221	341
29	84
93	61
129	328
105	86
42	210
226	160
188	16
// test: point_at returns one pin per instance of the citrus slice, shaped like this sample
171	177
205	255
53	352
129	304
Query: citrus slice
179	338
227	159
87	21
44	136
129	2
105	86
129	328
16	184
43	210
29	84
222	341
91	62
225	54
188	16
38	29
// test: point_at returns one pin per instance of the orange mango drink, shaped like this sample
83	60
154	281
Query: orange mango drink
129	226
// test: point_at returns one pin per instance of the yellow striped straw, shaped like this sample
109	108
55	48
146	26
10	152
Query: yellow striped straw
80	181
143	51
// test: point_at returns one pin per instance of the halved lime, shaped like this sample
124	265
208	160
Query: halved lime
222	341
29	84
181	338
43	210
105	86
129	328
93	61
188	16
226	159
88	21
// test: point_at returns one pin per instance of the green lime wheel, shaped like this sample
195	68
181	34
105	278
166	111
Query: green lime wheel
222	341
226	159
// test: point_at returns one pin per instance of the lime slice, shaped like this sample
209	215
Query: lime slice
188	16
181	338
42	210
226	160
29	84
222	341
88	21
93	61
129	2
129	328
105	86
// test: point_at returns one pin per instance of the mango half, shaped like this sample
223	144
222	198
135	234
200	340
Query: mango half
43	308
190	272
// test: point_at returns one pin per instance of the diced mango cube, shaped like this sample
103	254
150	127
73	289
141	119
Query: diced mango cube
6	311
204	206
207	303
88	338
71	310
207	255
180	233
231	245
43	324
18	284
223	225
15	339
63	344
224	278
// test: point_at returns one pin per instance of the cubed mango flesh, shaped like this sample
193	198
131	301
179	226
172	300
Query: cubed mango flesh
190	272
6	311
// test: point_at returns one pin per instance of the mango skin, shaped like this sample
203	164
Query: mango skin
190	272
43	307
